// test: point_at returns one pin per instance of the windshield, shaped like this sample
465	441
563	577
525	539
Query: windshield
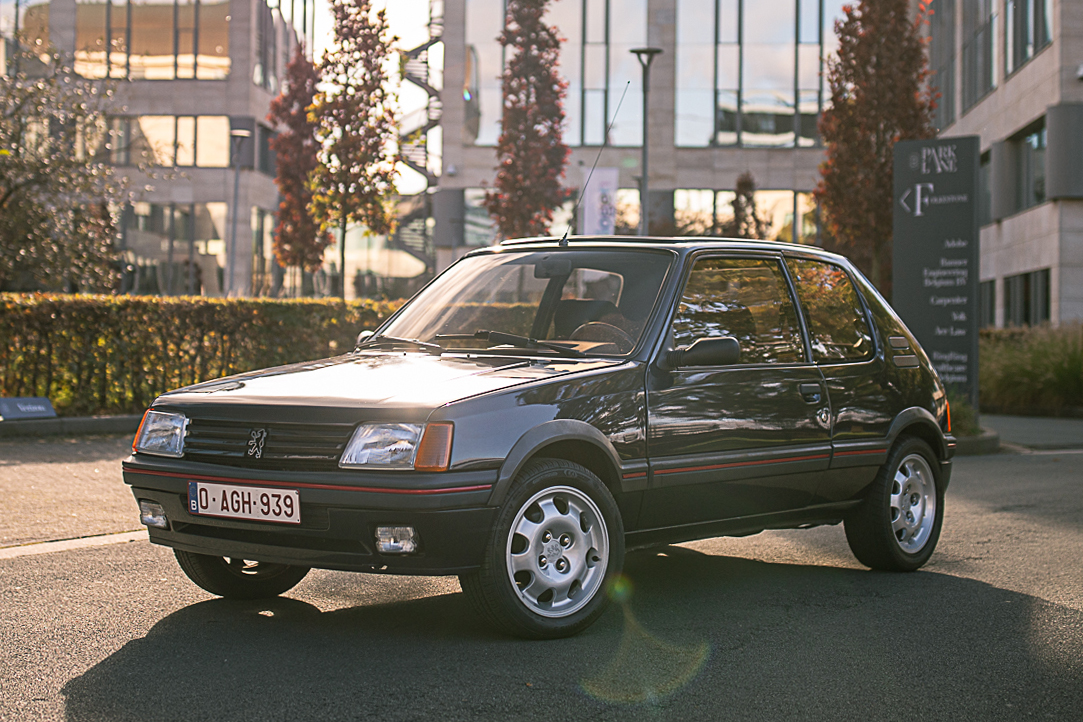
586	301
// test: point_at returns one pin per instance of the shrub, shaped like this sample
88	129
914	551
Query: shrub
1032	370
115	354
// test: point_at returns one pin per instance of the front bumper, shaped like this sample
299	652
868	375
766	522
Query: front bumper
339	515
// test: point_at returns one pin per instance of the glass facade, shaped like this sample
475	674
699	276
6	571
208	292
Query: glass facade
1027	299
152	39
173	248
750	73
942	59
979	50
595	59
1030	171
708	213
1027	29
170	141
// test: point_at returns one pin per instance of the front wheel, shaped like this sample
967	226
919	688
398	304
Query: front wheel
239	578
898	524
557	544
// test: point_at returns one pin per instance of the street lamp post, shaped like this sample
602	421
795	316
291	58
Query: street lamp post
237	137
645	57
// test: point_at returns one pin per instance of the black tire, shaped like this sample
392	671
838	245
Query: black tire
894	529
520	586
239	578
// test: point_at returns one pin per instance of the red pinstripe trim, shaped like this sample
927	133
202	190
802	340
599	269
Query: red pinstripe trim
743	463
860	451
634	475
305	485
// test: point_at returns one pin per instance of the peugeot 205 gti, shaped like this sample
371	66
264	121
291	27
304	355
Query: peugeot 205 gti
544	405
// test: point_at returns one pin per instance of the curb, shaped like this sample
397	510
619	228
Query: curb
987	443
75	425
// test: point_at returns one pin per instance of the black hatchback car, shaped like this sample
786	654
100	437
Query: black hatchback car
543	406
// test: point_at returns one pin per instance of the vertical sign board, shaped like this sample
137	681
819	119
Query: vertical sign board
935	262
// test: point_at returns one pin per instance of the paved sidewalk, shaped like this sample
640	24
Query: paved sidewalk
1036	432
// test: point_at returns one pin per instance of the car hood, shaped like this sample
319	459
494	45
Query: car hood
378	378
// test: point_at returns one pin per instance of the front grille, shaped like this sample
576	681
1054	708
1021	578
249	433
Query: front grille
281	446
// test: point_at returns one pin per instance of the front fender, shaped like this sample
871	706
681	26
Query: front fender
541	436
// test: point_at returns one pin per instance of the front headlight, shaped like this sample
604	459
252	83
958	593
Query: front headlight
399	446
388	446
161	434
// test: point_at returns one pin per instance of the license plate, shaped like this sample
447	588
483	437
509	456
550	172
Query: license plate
244	502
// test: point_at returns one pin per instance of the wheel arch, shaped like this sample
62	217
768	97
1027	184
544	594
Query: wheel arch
920	423
568	439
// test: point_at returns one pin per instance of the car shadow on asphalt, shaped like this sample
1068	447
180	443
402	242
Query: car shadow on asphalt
701	637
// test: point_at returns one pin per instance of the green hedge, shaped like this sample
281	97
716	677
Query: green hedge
114	354
1032	370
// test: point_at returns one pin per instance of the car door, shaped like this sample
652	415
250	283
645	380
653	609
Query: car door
749	438
863	397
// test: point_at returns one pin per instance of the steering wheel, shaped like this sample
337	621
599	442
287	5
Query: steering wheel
600	331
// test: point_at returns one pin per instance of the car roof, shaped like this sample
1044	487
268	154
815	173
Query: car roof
682	244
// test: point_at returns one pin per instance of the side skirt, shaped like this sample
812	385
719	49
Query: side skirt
742	526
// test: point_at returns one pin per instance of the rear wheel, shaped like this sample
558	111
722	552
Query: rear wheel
239	578
898	524
557	543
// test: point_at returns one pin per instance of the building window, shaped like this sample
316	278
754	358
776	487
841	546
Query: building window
987	304
1026	299
698	212
979	49
263	258
751	73
264	70
1027	29
985	190
942	59
1030	173
170	141
266	158
595	59
152	39
173	248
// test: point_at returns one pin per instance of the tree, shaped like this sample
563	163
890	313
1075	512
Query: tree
58	193
356	126
879	96
746	222
530	150
299	241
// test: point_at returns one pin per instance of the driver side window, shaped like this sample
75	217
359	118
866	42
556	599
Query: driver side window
746	298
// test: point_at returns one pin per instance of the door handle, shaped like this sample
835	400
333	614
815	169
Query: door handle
812	393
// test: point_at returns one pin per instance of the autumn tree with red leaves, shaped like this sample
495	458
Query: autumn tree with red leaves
879	96
298	241
356	126
531	149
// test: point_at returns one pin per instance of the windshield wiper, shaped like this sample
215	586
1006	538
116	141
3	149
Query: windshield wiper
382	340
512	339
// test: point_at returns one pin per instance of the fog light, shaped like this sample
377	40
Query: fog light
151	513
396	540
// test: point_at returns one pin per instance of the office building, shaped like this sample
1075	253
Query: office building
738	87
188	74
1011	72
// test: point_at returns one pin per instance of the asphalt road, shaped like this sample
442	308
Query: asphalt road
778	626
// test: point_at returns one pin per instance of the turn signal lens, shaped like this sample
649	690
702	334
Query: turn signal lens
434	451
947	405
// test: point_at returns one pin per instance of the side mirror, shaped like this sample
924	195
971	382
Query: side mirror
362	337
704	352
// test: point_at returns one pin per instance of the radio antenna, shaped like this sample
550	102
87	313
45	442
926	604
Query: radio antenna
605	142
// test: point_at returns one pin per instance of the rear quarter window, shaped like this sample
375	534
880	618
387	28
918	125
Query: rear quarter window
838	328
